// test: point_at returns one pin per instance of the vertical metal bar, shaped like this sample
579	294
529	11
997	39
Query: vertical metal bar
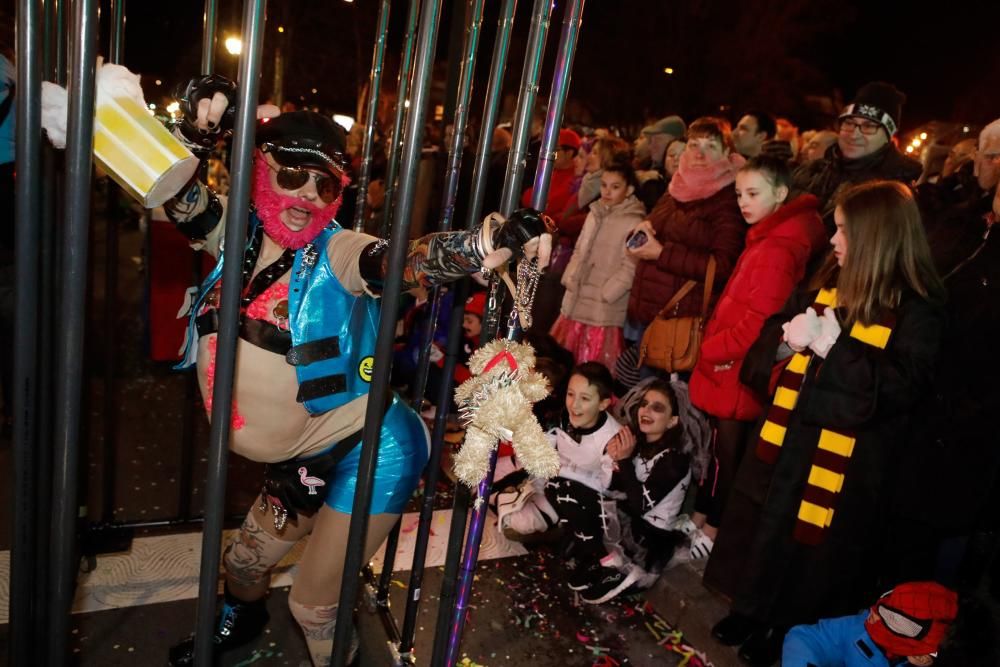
24	573
398	247
469	558
69	342
540	16
467	67
117	31
210	22
388	563
374	88
402	95
557	101
57	41
460	506
529	86
53	186
433	474
225	363
492	109
108	336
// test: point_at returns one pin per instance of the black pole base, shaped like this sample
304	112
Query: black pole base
105	537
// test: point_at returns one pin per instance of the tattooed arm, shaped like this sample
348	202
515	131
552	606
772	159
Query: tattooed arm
439	258
197	212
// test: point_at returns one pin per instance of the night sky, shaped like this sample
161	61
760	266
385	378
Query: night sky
770	54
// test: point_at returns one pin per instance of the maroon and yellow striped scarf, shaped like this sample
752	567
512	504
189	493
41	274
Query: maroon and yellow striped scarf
826	475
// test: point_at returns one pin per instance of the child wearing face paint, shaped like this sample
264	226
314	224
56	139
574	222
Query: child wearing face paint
783	236
599	276
589	445
651	485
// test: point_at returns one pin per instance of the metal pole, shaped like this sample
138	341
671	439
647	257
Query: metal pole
492	109
398	247
388	563
460	505
433	474
24	572
52	202
69	340
374	88
474	16
536	45
402	95
192	394
540	16
55	41
210	22
109	338
117	31
225	363
557	102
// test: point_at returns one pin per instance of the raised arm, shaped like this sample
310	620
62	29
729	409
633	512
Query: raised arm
439	258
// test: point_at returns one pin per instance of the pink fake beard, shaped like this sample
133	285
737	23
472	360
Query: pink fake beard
270	204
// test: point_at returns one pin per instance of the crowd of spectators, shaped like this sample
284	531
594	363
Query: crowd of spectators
836	441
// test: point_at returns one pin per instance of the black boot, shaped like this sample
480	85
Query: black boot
734	629
763	647
239	622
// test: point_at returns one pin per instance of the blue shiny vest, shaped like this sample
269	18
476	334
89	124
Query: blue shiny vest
333	331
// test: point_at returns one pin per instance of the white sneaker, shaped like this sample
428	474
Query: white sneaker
684	525
701	545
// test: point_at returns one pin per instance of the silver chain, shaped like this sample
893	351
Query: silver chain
527	284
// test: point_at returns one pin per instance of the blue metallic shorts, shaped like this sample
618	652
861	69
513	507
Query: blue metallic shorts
402	455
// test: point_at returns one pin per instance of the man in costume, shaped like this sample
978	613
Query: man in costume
308	326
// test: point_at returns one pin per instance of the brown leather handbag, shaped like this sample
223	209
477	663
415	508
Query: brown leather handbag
672	343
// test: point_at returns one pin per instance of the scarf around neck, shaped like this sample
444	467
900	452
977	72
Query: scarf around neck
691	184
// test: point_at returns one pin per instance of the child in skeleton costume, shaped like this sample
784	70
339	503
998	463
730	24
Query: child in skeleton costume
308	325
672	445
574	505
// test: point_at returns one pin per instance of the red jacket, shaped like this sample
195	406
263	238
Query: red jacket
562	190
778	250
690	232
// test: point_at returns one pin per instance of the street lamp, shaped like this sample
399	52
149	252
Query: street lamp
233	45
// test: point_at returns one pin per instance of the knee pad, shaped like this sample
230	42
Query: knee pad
253	553
319	623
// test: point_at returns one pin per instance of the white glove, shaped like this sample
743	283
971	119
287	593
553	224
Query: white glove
436	354
802	330
829	332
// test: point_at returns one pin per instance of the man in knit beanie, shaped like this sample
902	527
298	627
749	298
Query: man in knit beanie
864	150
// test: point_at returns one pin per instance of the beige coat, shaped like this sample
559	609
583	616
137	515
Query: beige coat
599	275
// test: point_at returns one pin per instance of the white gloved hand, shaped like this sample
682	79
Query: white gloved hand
436	354
802	330
829	332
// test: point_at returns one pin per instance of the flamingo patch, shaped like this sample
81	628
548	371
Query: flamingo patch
311	482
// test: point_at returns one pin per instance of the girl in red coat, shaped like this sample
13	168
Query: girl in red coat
781	240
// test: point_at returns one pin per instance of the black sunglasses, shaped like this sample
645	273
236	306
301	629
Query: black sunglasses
292	178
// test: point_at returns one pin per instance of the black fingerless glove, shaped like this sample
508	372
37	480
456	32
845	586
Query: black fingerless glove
523	225
199	88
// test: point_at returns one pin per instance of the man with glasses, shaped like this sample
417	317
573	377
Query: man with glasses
308	324
864	150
